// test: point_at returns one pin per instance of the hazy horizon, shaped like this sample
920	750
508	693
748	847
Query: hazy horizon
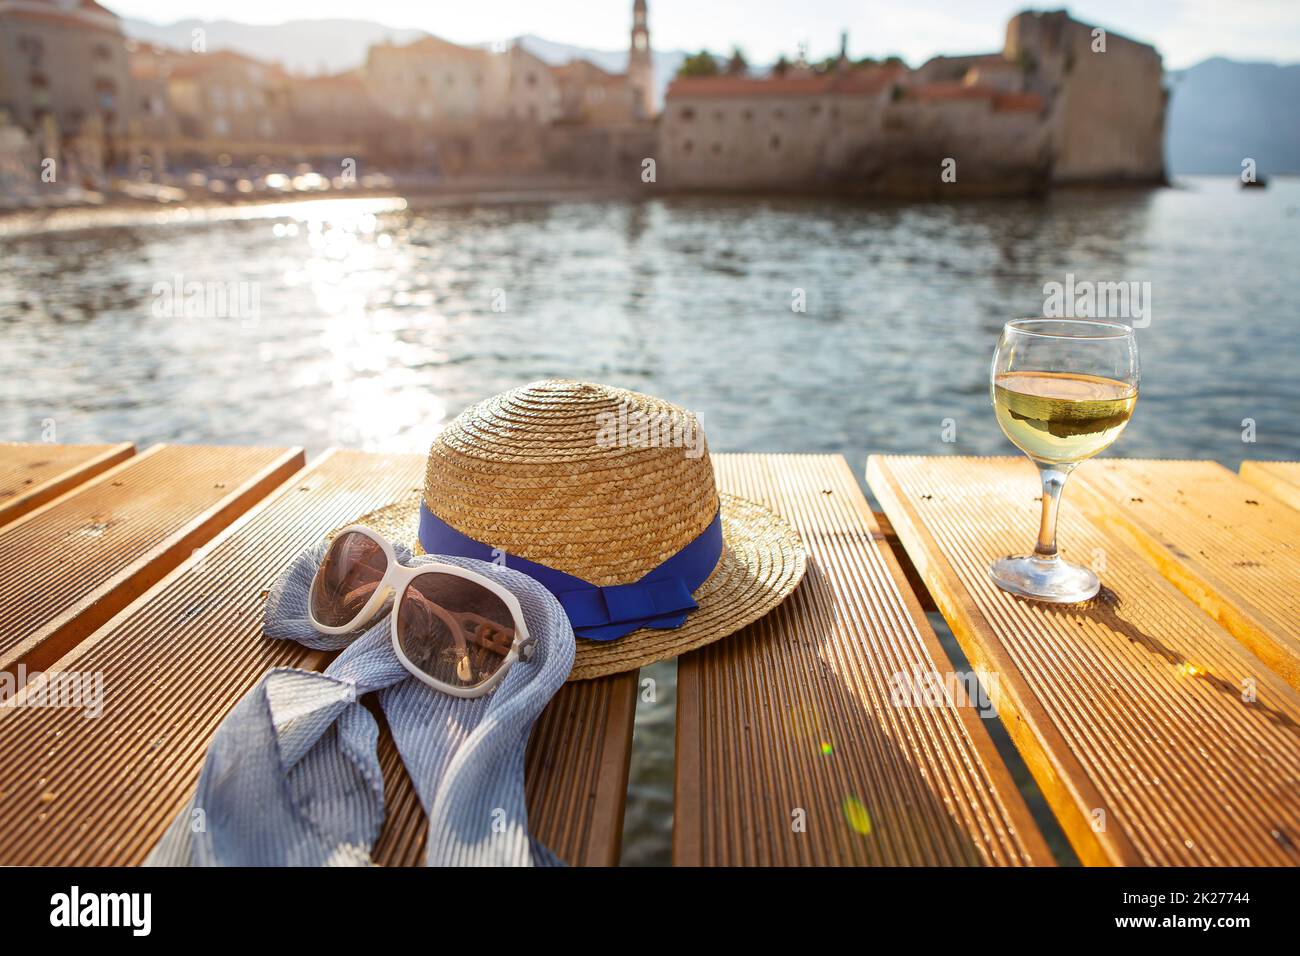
1185	32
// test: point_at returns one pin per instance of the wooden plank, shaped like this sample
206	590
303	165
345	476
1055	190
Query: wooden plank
792	747
1155	736
73	563
1281	479
899	553
575	774
101	792
32	474
1230	548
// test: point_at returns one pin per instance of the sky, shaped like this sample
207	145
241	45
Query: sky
1184	31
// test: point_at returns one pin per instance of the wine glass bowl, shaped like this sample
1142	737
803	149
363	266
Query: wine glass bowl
1063	390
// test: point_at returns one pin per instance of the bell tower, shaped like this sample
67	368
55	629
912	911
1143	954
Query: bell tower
640	66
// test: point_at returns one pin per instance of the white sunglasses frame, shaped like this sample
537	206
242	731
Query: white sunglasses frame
394	582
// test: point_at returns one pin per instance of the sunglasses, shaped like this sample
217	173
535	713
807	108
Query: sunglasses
454	629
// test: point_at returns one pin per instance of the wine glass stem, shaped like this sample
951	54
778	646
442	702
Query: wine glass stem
1053	477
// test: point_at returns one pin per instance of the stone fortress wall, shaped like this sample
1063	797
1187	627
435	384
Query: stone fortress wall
1044	110
1108	105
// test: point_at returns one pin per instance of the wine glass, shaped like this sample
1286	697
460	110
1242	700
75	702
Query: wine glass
1063	390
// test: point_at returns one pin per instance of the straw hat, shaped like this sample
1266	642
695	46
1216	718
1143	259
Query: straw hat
571	476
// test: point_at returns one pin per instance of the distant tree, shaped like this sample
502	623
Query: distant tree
865	62
737	65
781	66
895	61
699	64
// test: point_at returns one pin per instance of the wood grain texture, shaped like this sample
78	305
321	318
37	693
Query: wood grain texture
575	774
1281	479
795	720
1231	549
70	565
1155	736
32	474
101	791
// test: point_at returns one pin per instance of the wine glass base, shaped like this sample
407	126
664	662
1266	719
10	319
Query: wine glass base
1044	579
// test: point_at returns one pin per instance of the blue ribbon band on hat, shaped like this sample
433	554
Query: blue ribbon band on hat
660	599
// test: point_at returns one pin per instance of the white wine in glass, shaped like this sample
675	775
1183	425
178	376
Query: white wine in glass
1063	390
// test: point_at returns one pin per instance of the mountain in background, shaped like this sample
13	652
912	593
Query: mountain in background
302	46
1222	111
332	46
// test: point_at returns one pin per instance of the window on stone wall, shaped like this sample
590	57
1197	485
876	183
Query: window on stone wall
33	47
103	51
686	114
687	146
815	109
778	113
776	141
717	149
748	115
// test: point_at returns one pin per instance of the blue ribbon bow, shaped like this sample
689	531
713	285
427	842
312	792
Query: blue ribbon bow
660	599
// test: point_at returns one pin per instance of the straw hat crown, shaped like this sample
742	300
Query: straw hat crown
599	482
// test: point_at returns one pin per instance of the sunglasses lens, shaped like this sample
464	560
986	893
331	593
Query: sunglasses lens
353	567
453	629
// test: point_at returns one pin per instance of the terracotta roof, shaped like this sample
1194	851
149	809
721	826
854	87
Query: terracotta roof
1018	102
196	64
586	71
997	63
1000	102
349	80
745	86
89	6
97	18
932	92
863	82
432	46
966	59
866	81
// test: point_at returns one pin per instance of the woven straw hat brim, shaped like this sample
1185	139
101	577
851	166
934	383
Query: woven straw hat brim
762	564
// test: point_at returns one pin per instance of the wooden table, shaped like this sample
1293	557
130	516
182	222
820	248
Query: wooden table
1161	720
836	730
